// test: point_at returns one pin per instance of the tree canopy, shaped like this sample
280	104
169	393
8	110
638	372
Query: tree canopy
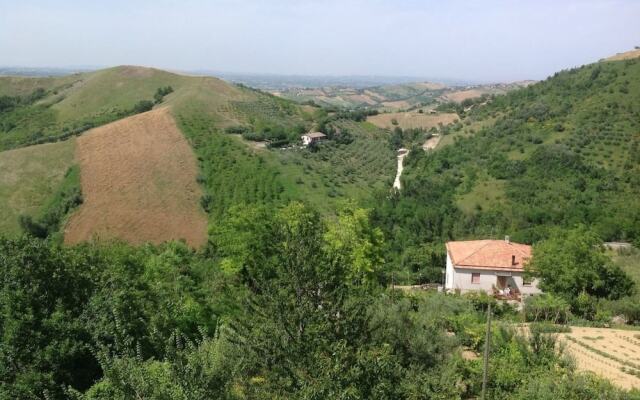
572	264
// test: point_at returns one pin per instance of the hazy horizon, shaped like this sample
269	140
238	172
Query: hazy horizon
473	41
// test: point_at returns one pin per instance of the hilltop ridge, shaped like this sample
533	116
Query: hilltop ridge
626	55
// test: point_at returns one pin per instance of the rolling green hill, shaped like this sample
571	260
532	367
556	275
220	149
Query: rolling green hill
235	169
562	152
37	110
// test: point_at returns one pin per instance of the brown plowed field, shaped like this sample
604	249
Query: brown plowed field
411	120
461	95
138	179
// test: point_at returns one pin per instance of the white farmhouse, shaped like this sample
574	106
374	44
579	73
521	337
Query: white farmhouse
312	137
493	266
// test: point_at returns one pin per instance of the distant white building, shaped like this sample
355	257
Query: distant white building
492	266
312	137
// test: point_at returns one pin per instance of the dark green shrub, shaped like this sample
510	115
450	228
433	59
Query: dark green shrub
142	106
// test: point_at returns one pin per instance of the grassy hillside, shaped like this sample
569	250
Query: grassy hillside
212	114
23	86
42	109
108	91
29	179
233	172
558	153
38	110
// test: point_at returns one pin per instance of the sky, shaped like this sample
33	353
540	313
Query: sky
472	40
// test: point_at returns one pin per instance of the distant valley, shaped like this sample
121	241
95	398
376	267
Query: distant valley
396	97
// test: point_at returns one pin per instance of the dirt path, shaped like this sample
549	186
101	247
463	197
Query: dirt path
138	178
396	183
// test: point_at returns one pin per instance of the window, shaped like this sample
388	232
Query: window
475	277
526	281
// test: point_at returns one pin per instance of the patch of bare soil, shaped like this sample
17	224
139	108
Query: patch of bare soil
362	98
469	355
411	120
396	105
138	179
461	95
431	143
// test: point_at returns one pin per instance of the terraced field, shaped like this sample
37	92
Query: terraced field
611	353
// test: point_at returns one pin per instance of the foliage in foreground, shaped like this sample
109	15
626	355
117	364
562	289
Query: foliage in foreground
294	312
573	265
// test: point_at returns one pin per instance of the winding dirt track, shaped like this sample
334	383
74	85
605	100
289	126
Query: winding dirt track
138	179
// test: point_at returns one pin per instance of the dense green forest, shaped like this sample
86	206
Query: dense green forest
281	304
561	152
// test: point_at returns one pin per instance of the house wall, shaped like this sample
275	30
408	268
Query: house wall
462	280
448	276
528	290
459	278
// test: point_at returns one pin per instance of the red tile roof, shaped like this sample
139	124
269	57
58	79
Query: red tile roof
489	254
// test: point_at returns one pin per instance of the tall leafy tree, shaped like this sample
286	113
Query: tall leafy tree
44	343
573	264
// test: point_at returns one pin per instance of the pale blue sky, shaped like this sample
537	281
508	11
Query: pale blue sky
493	40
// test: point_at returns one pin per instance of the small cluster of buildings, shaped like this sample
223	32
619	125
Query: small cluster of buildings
493	266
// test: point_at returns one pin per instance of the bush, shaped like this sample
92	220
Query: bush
142	106
31	227
544	327
481	300
546	307
628	307
161	92
253	136
236	129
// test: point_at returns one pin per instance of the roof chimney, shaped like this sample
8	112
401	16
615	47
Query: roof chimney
513	259
506	239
